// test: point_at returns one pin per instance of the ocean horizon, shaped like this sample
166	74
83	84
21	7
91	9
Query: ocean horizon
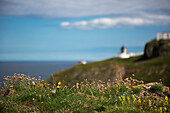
33	68
45	68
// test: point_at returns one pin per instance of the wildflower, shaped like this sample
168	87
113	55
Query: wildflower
5	79
123	97
165	108
36	82
65	86
58	87
33	99
53	91
166	98
166	103
163	89
149	102
139	100
59	83
77	85
117	107
128	99
133	98
120	98
160	109
20	78
33	78
11	86
33	83
129	89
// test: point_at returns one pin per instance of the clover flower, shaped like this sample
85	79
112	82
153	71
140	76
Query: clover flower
53	91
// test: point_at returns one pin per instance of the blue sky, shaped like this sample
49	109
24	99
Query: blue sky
53	30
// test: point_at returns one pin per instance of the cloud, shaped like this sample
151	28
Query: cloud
113	13
77	8
103	23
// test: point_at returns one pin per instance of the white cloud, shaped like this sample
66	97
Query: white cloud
77	8
125	12
103	23
64	24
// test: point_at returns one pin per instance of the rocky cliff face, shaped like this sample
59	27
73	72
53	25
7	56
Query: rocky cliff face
156	48
95	72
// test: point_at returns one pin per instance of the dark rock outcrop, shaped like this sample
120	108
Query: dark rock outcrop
156	48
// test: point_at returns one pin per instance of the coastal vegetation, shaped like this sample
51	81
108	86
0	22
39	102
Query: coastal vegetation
148	70
21	93
150	67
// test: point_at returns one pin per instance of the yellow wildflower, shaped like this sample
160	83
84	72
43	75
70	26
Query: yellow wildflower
139	100
128	99
160	109
165	103
166	98
59	83
165	108
149	102
123	97
133	98
58	87
120	98
11	86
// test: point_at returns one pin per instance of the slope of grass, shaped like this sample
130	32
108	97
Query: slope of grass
150	70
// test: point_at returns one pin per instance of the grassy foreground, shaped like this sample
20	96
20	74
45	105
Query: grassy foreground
20	93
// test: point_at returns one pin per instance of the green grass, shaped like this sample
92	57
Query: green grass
32	95
147	70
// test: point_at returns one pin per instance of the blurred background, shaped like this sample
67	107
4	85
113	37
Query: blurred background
73	30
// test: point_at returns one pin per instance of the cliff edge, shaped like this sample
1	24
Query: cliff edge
157	48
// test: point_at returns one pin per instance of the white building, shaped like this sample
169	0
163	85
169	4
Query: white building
163	35
124	53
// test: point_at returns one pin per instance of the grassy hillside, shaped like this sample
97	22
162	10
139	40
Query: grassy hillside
22	94
148	70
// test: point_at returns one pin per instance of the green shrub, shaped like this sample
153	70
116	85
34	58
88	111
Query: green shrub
156	88
136	90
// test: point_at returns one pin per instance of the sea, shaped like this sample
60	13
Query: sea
34	69
45	69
